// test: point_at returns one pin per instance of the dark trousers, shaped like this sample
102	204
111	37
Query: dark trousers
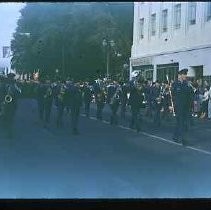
44	110
149	109
135	121
100	107
123	110
75	111
156	114
87	108
181	126
205	107
166	113
60	112
114	117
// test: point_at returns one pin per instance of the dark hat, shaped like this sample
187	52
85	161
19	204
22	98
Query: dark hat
11	75
183	71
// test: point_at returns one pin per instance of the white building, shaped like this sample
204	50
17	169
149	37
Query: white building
168	36
5	60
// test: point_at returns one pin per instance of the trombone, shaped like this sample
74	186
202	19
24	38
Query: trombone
172	104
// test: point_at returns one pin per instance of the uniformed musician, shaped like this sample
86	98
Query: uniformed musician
100	102
45	100
87	98
114	105
60	102
75	101
181	93
10	103
135	101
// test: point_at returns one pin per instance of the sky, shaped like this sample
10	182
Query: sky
9	14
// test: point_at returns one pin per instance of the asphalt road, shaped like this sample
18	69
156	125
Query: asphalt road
104	161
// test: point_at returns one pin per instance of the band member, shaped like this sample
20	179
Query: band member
111	89
181	93
166	102
114	105
135	101
87	98
75	101
150	99
123	99
2	92
100	102
9	106
60	102
156	103
45	100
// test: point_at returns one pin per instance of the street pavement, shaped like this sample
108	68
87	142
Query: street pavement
104	161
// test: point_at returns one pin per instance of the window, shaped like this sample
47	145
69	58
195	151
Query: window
153	24
192	13
177	16
164	20
142	28
208	11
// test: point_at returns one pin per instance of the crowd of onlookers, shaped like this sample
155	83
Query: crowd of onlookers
202	100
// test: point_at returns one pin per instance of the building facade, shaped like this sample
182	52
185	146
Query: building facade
5	60
168	36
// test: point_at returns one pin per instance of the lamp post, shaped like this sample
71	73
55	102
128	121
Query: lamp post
108	44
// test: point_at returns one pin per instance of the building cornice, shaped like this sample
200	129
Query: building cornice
173	52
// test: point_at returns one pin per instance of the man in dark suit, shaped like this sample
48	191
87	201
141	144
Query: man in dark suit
135	101
182	95
75	98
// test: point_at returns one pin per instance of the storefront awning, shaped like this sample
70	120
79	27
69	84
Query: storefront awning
141	61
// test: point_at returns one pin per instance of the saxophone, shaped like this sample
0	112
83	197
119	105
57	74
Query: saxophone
61	93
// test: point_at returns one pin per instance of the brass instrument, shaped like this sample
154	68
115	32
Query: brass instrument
8	99
61	93
114	97
172	104
48	93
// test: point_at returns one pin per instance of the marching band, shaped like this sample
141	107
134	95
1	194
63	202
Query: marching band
159	100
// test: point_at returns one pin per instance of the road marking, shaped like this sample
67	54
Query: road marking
199	150
93	118
106	122
157	137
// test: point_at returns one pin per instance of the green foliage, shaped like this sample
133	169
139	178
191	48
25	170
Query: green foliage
68	37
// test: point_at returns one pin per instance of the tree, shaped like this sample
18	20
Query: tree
68	37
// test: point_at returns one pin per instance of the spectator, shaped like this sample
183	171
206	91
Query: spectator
205	104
